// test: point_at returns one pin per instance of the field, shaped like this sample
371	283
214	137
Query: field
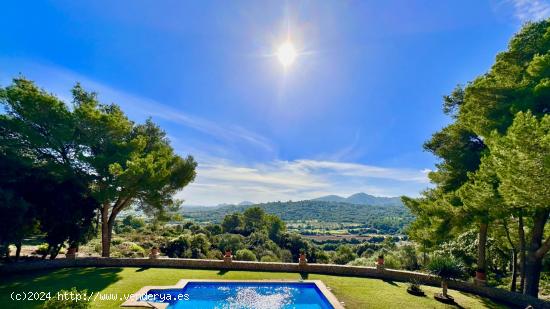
354	292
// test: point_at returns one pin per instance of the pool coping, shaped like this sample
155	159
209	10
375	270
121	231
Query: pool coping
134	301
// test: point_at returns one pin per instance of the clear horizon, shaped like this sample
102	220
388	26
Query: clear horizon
348	115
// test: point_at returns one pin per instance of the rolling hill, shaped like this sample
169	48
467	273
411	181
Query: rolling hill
362	199
386	215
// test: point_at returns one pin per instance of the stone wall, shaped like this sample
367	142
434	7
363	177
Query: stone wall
515	299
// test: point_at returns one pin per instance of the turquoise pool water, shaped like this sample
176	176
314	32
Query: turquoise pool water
241	295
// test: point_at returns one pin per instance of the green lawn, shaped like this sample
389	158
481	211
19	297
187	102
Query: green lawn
355	292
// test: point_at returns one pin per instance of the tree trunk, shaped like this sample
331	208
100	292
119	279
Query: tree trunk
107	223
533	261
55	252
444	287
481	248
533	267
514	254
514	266
17	250
105	233
521	234
45	254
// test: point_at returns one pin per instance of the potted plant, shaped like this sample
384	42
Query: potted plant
481	277
302	260
380	262
228	256
415	289
446	268
154	253
228	253
71	252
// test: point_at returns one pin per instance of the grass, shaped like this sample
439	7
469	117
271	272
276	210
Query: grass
355	292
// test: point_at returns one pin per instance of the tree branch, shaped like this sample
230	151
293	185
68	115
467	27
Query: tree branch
543	248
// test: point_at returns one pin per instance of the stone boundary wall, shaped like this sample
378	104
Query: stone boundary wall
519	300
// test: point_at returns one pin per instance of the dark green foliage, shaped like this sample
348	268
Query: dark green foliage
233	242
447	267
232	223
69	299
122	163
494	164
35	198
178	247
200	246
344	254
387	219
254	219
133	222
245	255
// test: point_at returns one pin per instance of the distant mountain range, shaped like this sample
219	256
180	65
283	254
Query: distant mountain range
246	203
362	199
354	199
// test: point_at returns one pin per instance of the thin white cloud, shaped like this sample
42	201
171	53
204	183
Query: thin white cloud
219	178
226	182
60	81
530	10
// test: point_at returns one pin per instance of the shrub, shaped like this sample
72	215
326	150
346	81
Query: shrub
214	255
79	300
97	247
130	249
392	262
234	242
361	262
116	241
368	252
200	246
321	257
447	267
245	255
408	258
286	256
133	222
41	249
344	255
270	258
178	247
415	288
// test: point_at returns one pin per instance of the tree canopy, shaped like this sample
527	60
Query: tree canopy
123	164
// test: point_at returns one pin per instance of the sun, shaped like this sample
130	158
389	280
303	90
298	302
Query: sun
286	53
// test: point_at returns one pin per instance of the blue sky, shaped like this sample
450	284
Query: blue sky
349	115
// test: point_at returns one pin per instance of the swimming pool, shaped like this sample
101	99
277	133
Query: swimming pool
311	294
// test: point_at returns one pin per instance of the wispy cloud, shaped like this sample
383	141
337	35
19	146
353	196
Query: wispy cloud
60	81
227	182
222	177
530	10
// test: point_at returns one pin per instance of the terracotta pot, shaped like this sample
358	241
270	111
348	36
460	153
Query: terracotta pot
71	251
155	251
480	275
380	261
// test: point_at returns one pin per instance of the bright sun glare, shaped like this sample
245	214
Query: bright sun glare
286	54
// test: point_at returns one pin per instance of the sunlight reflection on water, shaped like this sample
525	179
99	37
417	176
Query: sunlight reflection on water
249	298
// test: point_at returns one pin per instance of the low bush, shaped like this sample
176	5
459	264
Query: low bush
129	249
245	255
68	299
